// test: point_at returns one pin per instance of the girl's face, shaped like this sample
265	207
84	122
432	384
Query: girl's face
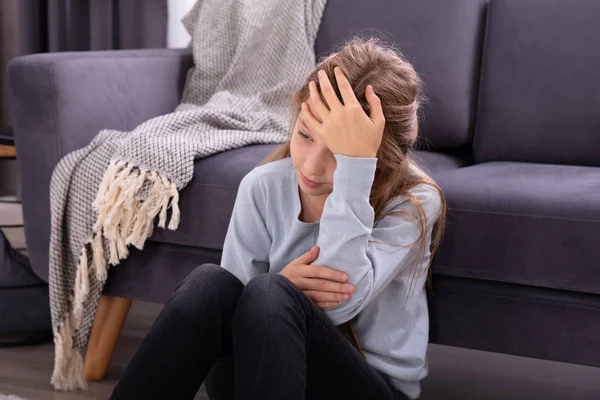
313	162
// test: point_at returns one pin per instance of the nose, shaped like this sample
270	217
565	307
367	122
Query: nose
314	165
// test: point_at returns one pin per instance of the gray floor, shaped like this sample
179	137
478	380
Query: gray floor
455	374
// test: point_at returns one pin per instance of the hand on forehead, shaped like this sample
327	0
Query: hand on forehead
323	92
343	123
336	84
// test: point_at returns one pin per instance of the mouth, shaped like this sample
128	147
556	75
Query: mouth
308	182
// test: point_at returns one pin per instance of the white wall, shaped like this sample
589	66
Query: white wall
177	36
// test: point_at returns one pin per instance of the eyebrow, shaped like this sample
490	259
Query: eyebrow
304	127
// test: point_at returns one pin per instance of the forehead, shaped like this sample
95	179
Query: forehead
301	126
317	140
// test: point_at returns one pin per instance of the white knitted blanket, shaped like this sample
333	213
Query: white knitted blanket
249	55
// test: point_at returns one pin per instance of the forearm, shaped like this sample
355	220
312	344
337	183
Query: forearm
345	228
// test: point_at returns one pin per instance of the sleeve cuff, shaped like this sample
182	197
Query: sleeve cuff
354	176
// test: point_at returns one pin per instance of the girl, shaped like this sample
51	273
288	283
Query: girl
321	291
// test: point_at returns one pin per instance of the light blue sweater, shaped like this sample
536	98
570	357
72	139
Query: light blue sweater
265	235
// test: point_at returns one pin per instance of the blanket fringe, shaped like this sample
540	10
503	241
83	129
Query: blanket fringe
82	287
68	362
124	219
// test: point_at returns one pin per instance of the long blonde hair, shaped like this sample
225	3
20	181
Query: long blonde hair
370	62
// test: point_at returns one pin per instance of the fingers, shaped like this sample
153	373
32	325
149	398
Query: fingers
308	257
317	106
324	285
345	88
318	296
327	305
319	271
328	93
309	120
375	105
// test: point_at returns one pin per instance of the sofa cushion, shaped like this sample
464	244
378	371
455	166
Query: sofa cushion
531	224
436	163
207	201
441	38
539	99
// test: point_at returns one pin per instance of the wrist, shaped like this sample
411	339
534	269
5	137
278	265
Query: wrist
354	176
356	154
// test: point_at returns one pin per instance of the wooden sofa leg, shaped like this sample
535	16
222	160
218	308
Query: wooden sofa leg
108	322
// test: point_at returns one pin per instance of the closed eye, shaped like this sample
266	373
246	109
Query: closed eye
304	135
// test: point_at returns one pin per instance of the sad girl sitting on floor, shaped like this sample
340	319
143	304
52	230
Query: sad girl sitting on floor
321	289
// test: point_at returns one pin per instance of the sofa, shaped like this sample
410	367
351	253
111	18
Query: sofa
511	132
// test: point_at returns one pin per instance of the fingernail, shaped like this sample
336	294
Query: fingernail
346	297
344	277
370	88
321	73
350	289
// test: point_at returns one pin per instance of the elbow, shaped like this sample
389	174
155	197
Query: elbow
358	301
339	315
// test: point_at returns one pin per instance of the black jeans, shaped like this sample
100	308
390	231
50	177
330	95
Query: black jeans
266	341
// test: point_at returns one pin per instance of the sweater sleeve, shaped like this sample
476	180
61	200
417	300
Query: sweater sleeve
348	241
247	242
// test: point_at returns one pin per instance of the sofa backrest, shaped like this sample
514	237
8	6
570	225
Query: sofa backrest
442	38
540	83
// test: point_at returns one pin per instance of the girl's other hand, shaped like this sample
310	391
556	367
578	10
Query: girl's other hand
323	285
345	128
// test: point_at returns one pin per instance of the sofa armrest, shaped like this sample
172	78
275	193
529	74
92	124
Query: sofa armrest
60	101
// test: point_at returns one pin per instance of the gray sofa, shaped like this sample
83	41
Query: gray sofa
511	132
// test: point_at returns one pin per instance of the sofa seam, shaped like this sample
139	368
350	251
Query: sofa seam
492	275
482	65
51	71
516	298
69	60
479	70
178	252
523	215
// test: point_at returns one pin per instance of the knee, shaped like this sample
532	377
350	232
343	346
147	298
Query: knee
268	287
207	285
266	296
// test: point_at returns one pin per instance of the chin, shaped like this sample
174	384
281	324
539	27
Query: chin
318	191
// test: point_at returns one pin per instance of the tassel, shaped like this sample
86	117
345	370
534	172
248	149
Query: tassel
82	287
113	255
108	177
175	214
99	261
107	195
68	363
122	249
164	203
137	238
132	205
